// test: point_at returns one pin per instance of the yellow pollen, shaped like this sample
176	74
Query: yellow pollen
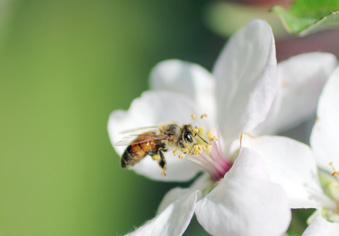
156	157
201	132
197	150
175	152
194	116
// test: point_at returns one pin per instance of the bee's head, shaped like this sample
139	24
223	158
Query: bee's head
193	141
188	134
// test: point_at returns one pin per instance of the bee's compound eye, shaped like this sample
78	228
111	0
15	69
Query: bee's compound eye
188	137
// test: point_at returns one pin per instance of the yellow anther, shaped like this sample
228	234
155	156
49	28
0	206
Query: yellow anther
194	116
211	137
201	131
203	116
197	150
185	150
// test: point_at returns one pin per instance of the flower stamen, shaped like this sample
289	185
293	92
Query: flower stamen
205	150
194	117
213	161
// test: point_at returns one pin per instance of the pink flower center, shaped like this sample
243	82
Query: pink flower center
216	163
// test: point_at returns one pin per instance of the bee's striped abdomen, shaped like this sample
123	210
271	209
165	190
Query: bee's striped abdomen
127	157
143	145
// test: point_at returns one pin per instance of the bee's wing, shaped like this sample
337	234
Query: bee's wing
125	142
139	130
129	135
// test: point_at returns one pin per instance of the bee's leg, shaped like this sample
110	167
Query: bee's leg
162	162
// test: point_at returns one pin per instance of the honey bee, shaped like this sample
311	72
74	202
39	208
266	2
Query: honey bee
182	140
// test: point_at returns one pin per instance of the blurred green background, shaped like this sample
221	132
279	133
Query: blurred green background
64	66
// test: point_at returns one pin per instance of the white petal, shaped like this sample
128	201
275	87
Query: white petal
302	79
324	138
246	79
244	203
186	78
171	221
171	196
154	108
292	165
201	183
321	227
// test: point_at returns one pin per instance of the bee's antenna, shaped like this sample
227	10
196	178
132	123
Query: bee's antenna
204	140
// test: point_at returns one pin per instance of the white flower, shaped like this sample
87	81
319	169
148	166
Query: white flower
324	142
243	203
251	195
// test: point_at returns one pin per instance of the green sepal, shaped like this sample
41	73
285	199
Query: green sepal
308	16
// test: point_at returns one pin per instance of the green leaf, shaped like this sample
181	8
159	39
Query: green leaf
308	16
299	221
